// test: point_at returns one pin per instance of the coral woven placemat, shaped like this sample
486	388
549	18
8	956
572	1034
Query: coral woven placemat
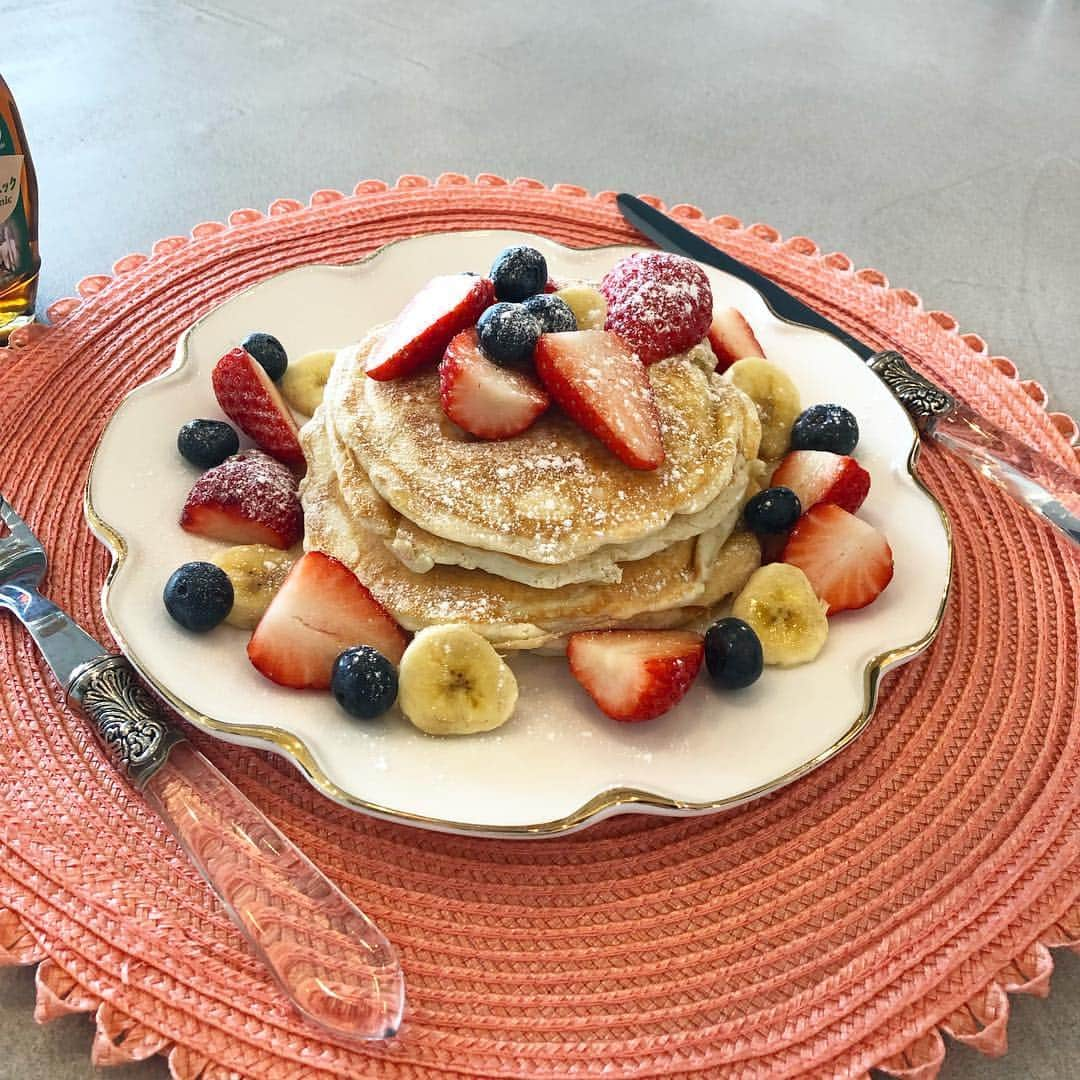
902	890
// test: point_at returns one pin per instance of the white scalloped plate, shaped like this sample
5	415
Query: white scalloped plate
558	763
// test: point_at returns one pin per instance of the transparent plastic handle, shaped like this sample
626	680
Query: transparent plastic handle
329	957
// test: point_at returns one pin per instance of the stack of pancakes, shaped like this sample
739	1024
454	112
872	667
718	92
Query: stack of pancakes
532	538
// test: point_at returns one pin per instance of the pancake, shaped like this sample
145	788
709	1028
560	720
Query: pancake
553	494
346	517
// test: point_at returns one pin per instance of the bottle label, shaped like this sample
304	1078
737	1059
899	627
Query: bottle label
11	168
15	257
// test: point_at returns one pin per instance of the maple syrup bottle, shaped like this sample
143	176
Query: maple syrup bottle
19	261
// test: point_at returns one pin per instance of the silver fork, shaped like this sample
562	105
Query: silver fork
336	966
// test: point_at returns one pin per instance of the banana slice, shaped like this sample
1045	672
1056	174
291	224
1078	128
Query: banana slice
256	572
452	682
776	398
784	612
588	305
303	383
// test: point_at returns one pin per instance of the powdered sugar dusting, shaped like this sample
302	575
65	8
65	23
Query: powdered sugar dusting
660	304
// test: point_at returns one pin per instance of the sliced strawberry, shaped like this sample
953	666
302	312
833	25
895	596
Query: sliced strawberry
320	611
599	382
635	674
248	499
551	285
731	338
485	399
252	402
817	476
445	306
847	561
659	304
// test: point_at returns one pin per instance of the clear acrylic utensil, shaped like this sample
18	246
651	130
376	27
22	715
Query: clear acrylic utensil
335	964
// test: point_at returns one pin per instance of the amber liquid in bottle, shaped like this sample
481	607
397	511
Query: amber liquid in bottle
19	260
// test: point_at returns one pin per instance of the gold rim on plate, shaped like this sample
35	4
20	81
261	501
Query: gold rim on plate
295	749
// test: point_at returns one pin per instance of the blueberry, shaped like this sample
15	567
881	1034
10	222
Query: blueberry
507	333
733	653
269	352
552	313
774	510
207	443
198	596
364	682
518	273
825	427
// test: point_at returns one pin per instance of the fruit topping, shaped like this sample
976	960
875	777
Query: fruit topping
817	476
198	596
207	443
256	571
252	402
364	682
733	653
605	388
635	674
269	352
731	338
846	560
659	304
774	510
589	305
781	607
518	273
321	610
507	333
553	314
445	306
776	397
452	682
304	381
248	499
486	400
825	427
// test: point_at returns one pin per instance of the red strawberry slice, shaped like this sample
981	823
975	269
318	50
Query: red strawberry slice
659	304
817	476
599	382
248	499
731	338
445	306
252	402
486	400
847	561
635	674
320	611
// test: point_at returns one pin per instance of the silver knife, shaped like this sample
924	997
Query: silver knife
334	963
1030	477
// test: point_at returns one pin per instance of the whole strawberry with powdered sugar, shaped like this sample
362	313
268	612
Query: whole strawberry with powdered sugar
252	402
248	499
602	385
659	304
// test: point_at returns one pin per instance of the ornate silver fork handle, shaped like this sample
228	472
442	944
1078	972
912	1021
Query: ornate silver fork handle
333	962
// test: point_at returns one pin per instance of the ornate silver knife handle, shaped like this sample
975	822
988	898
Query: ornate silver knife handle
925	402
127	719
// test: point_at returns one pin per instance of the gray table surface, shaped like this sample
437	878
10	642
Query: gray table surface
937	142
